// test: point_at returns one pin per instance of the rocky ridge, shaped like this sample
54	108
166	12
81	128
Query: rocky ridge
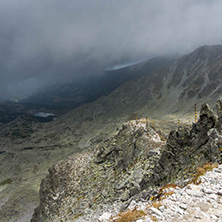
194	78
113	171
202	202
132	165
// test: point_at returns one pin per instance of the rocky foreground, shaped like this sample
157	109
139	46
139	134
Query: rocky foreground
194	202
202	202
133	165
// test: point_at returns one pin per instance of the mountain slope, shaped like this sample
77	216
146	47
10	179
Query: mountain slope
76	93
162	93
131	165
167	93
194	78
62	98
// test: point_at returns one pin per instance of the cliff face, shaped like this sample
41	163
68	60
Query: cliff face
113	171
130	165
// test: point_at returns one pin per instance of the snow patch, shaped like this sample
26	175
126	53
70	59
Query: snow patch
124	65
44	115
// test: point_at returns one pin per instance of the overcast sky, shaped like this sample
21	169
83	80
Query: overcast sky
43	42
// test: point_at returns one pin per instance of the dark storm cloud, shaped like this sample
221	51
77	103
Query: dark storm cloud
49	41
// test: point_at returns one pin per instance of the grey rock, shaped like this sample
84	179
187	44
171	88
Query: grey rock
155	211
217	170
207	191
125	196
162	208
180	211
197	217
188	147
219	192
134	190
195	193
213	217
215	205
213	196
105	216
151	153
183	206
219	107
219	112
122	170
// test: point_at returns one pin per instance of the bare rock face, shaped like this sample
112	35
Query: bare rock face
219	114
112	172
64	180
132	164
186	149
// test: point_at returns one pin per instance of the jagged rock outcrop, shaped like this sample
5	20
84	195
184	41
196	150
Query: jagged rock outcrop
132	164
186	149
112	172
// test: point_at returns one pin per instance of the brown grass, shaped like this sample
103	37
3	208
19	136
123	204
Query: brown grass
153	218
201	171
155	204
167	194
162	193
130	216
162	137
169	185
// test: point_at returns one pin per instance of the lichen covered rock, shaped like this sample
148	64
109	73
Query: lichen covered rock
112	172
186	149
131	165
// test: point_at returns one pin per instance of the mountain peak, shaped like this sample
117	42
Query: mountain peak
208	51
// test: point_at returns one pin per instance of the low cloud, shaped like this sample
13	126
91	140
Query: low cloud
48	42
